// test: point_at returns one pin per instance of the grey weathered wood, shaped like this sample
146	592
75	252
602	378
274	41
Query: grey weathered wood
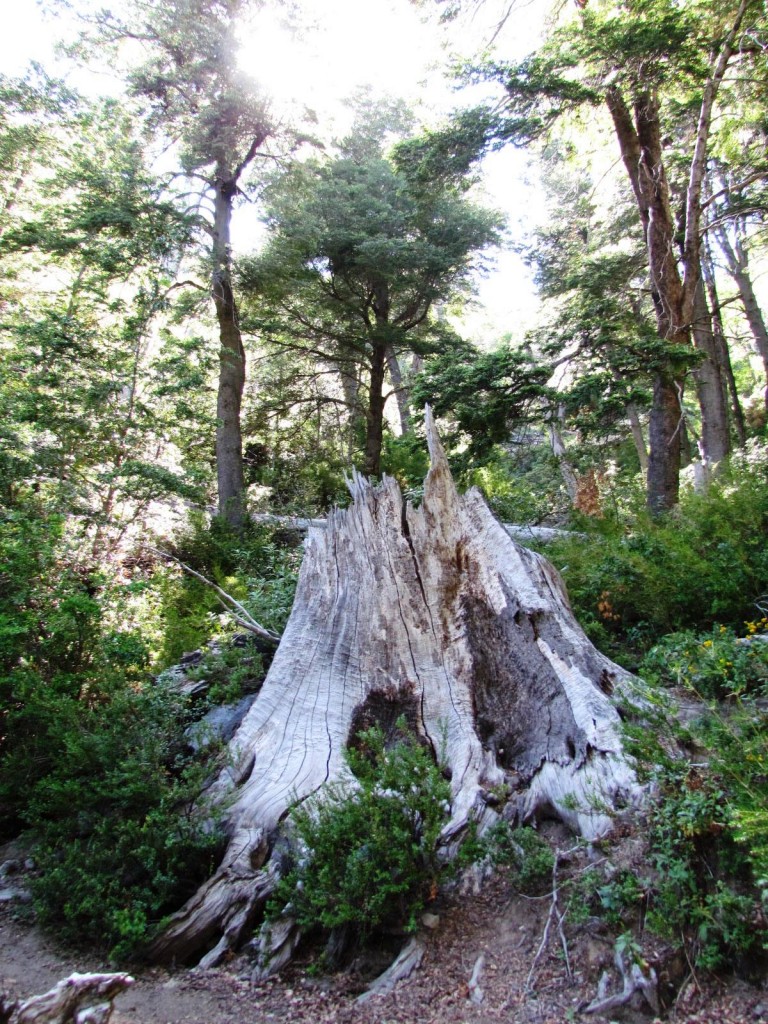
518	531
404	965
80	998
437	614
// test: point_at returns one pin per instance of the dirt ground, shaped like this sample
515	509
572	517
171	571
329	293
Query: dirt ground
505	929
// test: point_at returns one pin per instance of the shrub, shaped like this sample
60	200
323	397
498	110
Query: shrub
525	852
367	851
708	831
119	839
252	566
632	579
715	665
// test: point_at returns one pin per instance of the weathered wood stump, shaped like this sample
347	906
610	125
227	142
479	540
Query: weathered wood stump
433	613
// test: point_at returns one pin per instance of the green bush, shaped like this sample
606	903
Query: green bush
707	830
632	580
715	665
119	839
525	852
252	566
367	852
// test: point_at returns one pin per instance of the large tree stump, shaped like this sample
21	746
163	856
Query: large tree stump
437	614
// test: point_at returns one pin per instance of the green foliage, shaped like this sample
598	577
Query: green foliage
707	833
93	758
248	564
367	851
406	459
632	580
522	482
716	666
119	842
486	393
524	851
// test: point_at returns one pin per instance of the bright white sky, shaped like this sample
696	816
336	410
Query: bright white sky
387	44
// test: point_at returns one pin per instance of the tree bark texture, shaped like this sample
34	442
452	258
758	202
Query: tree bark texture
674	289
229	440
400	389
737	258
711	391
436	614
722	347
374	418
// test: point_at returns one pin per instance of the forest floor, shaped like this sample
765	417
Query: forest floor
504	928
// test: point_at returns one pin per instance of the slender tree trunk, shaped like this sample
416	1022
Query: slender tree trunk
350	386
710	387
737	258
229	441
639	135
401	391
724	353
374	431
638	437
559	451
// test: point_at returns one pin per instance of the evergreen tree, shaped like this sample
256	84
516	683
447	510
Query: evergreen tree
360	254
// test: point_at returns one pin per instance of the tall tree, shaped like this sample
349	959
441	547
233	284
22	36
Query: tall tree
84	283
657	68
219	119
359	256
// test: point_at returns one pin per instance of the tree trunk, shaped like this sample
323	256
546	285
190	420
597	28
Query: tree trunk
636	427
640	141
401	391
722	346
737	258
710	387
229	440
664	434
559	451
639	135
374	426
434	613
349	375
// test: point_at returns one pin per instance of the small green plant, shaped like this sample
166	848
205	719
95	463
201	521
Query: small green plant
230	671
707	833
367	851
525	852
621	897
717	665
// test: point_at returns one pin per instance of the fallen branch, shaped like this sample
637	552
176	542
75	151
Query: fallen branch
555	914
78	999
517	531
237	611
634	980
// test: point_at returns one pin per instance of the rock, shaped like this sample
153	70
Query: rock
219	724
430	921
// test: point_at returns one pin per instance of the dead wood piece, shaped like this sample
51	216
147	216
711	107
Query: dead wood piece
635	981
80	998
437	616
476	994
557	915
408	960
277	943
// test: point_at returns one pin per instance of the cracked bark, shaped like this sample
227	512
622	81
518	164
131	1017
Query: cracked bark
436	613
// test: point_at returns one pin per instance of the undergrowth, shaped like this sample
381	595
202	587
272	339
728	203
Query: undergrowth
368	848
